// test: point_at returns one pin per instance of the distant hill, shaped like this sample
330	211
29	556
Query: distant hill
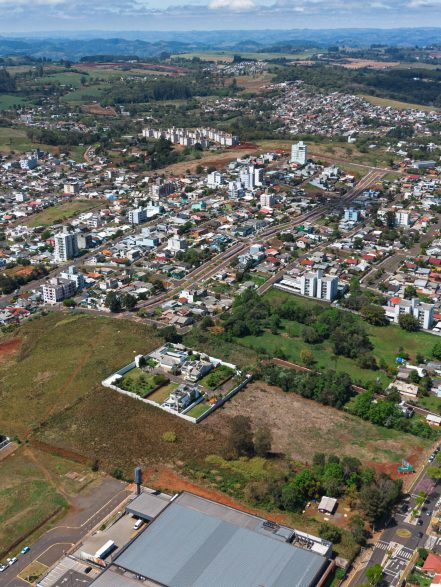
143	44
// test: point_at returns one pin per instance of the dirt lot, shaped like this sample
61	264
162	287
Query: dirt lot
302	427
8	348
209	158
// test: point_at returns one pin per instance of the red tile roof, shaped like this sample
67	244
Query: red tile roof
432	563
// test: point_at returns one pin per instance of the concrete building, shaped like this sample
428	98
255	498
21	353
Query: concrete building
71	189
84	240
137	215
176	244
402	218
215	179
66	246
72	274
57	290
351	215
299	153
259	175
195	542
421	311
316	285
267	200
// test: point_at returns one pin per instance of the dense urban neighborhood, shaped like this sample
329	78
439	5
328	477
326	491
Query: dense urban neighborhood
220	313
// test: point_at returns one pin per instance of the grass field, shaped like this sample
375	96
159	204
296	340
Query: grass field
9	100
396	103
14	139
62	359
386	340
85	94
57	214
33	486
227	56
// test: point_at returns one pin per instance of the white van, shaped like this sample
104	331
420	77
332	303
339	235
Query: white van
138	524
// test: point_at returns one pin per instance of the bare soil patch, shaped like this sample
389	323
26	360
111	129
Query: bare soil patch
8	348
302	427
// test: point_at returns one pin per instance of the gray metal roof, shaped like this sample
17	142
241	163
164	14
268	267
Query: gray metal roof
147	506
185	547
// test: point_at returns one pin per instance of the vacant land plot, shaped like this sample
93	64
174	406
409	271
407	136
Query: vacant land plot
254	83
11	100
61	360
387	341
13	139
85	94
208	158
397	104
302	427
33	487
61	212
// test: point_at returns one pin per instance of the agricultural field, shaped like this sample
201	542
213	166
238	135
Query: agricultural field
34	486
60	360
13	139
57	214
85	94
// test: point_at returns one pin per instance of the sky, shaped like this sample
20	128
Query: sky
149	15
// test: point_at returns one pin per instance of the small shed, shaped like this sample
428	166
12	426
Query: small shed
327	505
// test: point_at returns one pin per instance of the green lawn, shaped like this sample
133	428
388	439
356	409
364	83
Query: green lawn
160	395
431	403
61	212
198	410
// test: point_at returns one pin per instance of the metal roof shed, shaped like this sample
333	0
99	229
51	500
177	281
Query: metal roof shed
327	505
147	506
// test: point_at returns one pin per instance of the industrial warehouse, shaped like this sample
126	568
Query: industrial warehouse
190	541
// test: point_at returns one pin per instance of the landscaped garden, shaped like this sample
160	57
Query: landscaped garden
217	377
142	383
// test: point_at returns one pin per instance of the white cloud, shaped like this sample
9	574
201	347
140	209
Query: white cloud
233	5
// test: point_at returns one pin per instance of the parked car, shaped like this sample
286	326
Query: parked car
12	560
25	550
2	568
420	522
429	513
420	534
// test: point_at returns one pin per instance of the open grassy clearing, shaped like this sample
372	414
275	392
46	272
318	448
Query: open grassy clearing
386	340
85	94
254	83
14	139
62	359
33	486
396	103
11	100
227	56
64	78
57	214
301	427
333	150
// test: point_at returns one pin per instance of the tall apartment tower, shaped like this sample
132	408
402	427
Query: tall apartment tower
66	246
299	153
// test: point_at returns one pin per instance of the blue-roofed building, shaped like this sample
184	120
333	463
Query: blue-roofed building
195	542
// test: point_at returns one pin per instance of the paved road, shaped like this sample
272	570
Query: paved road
401	537
89	508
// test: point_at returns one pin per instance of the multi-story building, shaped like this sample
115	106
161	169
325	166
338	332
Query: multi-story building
258	176
352	215
175	244
66	246
84	240
57	290
72	274
137	215
402	218
421	311
267	200
299	153
317	285
215	179
187	137
71	189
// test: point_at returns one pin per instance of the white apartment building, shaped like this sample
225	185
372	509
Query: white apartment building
137	215
299	153
247	177
72	274
317	285
72	189
267	200
421	311
259	174
351	215
57	290
186	137
402	218
215	179
176	244
66	246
